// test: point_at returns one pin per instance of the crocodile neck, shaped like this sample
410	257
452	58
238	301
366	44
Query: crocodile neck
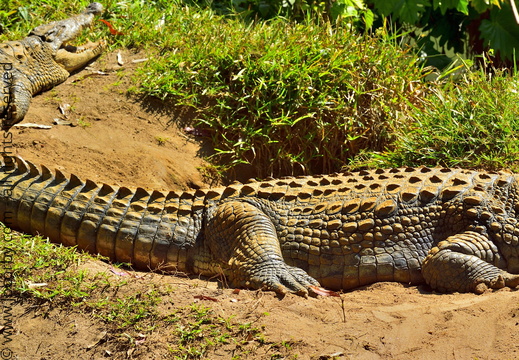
147	229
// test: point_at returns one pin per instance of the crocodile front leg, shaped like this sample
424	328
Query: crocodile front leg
244	239
19	101
466	262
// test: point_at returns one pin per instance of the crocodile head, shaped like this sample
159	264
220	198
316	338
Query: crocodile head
42	60
58	33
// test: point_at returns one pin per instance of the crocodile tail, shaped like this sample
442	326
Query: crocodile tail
150	230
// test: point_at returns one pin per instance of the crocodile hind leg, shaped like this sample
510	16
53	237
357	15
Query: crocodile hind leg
244	239
72	58
467	262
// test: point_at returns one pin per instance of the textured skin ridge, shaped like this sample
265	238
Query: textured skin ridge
98	219
452	228
42	60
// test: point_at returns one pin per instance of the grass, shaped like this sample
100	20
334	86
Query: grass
471	122
37	265
83	123
200	329
161	140
49	276
285	98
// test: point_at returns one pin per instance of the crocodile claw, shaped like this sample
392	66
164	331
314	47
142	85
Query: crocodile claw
282	279
317	290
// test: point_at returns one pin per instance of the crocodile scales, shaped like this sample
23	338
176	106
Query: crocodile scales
454	229
42	60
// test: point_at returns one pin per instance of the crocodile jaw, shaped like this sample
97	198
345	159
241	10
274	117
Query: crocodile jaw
58	33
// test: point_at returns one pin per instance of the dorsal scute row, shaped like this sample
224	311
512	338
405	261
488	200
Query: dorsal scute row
405	184
408	184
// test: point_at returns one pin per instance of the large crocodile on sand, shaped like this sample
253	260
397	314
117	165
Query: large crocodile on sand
42	60
456	230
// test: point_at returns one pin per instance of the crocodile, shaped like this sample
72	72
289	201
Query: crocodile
453	229
42	60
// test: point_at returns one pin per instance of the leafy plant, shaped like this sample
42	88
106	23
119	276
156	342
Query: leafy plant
304	9
501	31
463	26
439	28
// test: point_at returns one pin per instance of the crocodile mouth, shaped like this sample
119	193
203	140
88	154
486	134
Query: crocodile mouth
88	46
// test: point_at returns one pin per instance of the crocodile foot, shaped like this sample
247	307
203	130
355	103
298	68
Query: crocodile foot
505	279
278	277
467	262
245	240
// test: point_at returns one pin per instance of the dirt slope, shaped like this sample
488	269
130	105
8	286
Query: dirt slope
117	139
123	141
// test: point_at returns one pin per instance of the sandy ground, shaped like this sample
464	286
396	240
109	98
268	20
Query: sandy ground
125	141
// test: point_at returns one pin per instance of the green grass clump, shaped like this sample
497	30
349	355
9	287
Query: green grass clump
39	269
285	98
47	276
200	331
471	121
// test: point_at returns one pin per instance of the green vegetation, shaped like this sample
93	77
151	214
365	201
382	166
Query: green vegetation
470	122
50	276
437	26
284	98
38	264
199	330
83	123
161	140
289	97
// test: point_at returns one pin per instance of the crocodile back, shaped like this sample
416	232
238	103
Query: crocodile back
344	230
352	229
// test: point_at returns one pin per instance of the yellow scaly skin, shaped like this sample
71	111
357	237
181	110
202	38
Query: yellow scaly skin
454	229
